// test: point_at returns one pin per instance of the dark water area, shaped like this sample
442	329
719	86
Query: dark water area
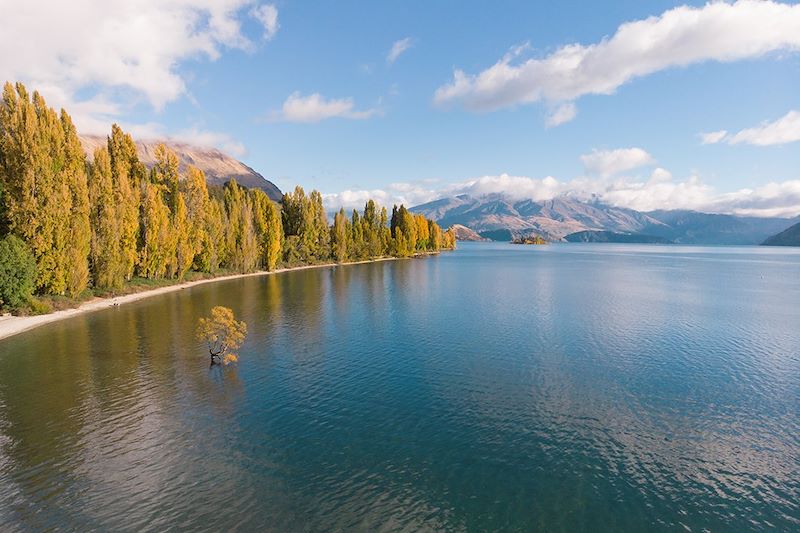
498	387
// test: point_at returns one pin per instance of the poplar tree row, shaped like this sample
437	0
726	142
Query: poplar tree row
72	224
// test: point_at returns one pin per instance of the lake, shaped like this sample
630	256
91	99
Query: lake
498	387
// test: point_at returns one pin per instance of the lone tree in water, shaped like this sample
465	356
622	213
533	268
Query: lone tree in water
223	333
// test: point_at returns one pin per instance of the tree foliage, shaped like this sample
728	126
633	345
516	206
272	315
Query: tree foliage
222	333
17	273
100	222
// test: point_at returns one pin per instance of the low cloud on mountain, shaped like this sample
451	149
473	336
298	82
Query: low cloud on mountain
659	190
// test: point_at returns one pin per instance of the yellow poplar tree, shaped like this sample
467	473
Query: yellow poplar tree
269	230
340	237
80	233
197	202
108	265
157	251
128	177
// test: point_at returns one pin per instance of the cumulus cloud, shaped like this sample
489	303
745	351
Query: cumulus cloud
561	115
782	131
408	194
679	37
611	162
267	15
315	107
398	48
124	53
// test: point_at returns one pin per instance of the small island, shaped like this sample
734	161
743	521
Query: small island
530	239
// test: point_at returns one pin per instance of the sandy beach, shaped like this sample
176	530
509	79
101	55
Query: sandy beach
12	325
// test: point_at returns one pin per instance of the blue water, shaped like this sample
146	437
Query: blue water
562	387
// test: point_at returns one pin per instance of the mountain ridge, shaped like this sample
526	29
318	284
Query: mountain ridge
218	166
788	237
554	219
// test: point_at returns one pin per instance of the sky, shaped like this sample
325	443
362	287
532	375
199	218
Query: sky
648	105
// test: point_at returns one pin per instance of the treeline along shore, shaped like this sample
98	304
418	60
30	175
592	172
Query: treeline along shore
72	228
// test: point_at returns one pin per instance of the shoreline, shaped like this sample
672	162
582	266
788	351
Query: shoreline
14	325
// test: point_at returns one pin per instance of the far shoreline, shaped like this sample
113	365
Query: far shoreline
14	325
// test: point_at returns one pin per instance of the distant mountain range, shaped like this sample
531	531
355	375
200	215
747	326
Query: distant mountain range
788	237
499	218
217	166
611	236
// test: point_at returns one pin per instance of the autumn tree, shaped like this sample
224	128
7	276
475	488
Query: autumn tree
269	230
215	253
223	334
421	231
108	266
45	191
340	236
156	251
128	175
77	255
242	243
195	193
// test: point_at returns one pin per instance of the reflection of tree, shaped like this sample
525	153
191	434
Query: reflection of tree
43	391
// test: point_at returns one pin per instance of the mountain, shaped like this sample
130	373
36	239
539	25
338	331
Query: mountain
691	227
464	233
788	237
610	236
217	166
499	218
551	219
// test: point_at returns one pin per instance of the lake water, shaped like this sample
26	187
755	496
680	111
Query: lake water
562	387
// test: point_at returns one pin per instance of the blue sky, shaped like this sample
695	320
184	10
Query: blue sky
242	75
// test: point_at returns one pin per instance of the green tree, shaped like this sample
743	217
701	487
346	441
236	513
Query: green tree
17	273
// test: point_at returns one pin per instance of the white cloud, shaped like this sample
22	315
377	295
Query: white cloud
100	60
610	162
561	115
782	131
315	107
409	194
713	137
659	190
214	139
152	131
679	37
267	15
131	45
398	48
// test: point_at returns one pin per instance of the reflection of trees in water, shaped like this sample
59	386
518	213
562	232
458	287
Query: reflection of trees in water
43	388
97	410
